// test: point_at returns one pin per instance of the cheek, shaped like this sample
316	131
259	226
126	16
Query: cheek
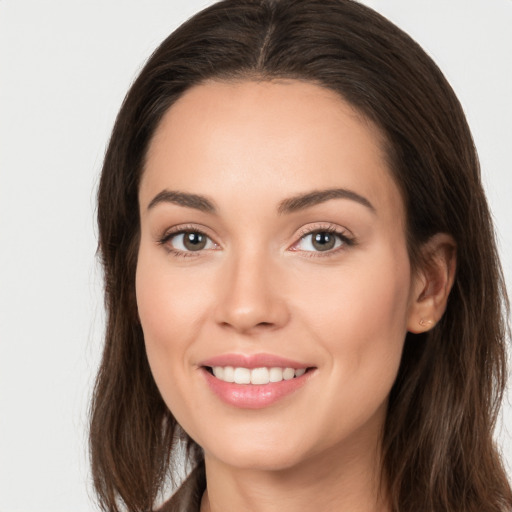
364	298
169	303
364	325
362	313
169	309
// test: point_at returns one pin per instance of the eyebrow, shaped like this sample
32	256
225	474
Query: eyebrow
290	205
183	199
309	199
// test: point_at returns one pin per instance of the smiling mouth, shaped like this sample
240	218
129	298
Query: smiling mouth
255	376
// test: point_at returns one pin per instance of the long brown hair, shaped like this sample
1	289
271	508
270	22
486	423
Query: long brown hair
439	454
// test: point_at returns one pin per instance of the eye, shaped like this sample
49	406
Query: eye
189	241
321	241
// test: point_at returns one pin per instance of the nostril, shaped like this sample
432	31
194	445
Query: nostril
249	310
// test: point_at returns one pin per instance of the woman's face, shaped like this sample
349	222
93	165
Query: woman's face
272	237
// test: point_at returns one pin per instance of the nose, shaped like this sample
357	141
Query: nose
250	299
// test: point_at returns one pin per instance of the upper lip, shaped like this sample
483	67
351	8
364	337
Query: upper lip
253	361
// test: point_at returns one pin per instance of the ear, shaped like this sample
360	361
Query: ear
432	283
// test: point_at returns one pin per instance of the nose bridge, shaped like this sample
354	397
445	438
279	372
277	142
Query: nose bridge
249	295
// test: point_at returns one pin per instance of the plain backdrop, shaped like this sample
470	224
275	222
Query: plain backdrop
64	69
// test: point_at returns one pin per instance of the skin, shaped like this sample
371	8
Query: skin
260	286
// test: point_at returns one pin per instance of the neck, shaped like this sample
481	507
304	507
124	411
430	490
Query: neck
336	481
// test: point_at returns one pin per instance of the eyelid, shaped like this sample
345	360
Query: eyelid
186	228
345	235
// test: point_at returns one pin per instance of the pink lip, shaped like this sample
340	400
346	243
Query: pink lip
251	396
253	361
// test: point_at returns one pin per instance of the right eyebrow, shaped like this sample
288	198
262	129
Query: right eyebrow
315	197
183	199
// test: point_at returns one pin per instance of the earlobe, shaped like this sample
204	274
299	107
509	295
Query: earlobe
433	283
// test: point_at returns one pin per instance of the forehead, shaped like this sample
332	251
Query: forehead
276	138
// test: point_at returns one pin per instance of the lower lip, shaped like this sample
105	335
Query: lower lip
253	396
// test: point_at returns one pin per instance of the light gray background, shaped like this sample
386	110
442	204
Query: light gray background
64	69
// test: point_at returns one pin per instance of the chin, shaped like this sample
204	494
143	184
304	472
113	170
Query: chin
257	458
258	451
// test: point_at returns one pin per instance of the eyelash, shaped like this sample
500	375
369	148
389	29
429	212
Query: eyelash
181	230
346	241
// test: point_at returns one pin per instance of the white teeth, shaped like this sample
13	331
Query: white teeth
276	374
242	376
288	373
218	371
259	376
256	376
229	374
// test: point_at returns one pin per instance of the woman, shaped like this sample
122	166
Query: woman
301	277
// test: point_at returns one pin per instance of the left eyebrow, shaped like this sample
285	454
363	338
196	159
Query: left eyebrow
315	197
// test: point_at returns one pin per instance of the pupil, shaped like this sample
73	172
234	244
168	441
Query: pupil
323	241
194	241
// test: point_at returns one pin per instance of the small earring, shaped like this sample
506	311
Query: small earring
424	323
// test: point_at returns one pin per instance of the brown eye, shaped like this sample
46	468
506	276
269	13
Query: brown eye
194	241
189	241
323	240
